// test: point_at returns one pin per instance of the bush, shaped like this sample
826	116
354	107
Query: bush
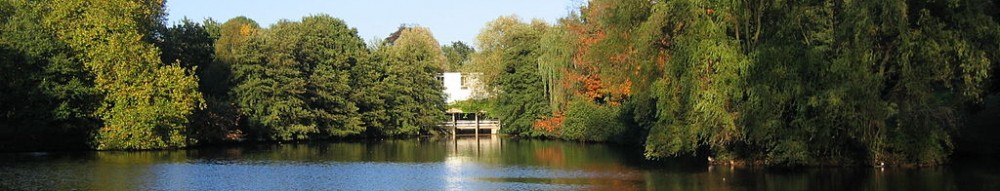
587	121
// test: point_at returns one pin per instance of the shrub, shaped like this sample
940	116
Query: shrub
587	121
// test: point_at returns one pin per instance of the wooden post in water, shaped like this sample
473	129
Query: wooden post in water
477	124
454	127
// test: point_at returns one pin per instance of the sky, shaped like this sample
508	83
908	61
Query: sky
449	20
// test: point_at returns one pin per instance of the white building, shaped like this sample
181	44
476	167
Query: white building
462	86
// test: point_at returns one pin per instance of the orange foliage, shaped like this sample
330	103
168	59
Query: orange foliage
591	86
607	73
234	135
661	59
551	124
245	30
625	88
620	57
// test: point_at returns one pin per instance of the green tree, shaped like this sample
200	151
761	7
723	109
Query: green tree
270	88
297	82
489	42
331	50
189	43
234	59
514	46
146	103
458	55
193	45
700	83
809	92
789	83
50	98
557	47
233	39
413	95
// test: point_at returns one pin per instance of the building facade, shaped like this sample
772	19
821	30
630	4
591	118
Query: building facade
463	86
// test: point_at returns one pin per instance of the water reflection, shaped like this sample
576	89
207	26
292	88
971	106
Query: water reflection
542	162
463	163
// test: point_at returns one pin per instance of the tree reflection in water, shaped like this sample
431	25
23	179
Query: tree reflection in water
463	163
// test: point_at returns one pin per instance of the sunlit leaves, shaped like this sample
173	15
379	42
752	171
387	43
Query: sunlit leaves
146	103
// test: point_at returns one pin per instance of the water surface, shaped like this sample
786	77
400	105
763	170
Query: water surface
488	163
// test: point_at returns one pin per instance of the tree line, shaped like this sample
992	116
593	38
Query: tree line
111	75
898	82
903	82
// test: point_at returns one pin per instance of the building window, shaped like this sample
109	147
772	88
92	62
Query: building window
465	82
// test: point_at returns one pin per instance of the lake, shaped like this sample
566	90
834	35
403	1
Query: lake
465	163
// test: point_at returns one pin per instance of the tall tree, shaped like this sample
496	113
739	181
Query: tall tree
789	83
146	103
509	60
233	39
235	61
332	49
297	84
490	41
193	45
50	97
557	47
415	97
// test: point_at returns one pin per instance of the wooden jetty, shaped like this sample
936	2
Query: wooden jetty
464	122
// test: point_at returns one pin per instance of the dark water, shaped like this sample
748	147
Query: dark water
445	164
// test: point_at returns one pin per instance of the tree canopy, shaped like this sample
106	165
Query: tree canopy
754	82
113	74
458	55
413	95
778	83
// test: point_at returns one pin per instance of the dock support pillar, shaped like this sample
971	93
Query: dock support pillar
477	124
454	126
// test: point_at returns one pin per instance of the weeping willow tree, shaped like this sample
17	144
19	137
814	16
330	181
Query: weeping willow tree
775	82
813	83
556	49
697	94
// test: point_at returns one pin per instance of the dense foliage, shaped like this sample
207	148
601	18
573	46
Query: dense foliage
47	91
412	99
768	82
458	55
145	102
905	82
295	82
590	122
112	74
508	53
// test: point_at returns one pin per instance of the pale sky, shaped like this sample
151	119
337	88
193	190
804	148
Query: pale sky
449	20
